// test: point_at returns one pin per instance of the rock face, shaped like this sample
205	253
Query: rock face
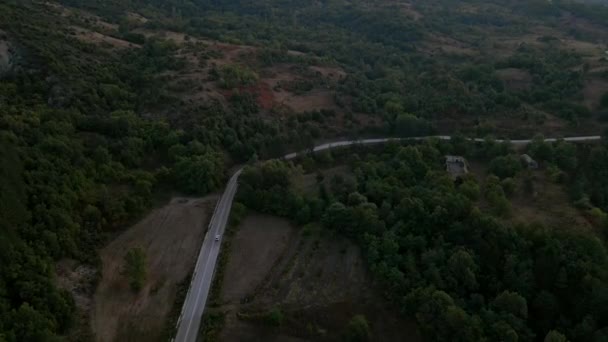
6	55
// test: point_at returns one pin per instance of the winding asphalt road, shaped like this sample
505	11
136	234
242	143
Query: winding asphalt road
190	319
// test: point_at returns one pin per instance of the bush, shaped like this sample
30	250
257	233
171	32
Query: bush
135	268
508	186
358	329
232	76
505	166
470	189
604	100
275	317
408	125
237	213
555	336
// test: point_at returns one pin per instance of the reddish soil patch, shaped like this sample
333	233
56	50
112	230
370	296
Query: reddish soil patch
261	91
313	100
265	95
333	73
176	37
230	53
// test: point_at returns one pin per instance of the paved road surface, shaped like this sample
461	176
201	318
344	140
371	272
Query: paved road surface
194	304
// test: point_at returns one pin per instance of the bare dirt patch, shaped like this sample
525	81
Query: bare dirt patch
171	238
94	37
308	184
443	45
259	242
63	11
264	95
582	47
543	36
548	205
229	53
282	88
515	79
593	91
193	83
403	7
136	17
319	282
332	73
5	56
295	53
76	278
79	280
313	100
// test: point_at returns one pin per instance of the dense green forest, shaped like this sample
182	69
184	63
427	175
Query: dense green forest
461	272
86	143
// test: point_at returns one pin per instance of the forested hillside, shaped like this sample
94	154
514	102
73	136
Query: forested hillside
102	108
442	249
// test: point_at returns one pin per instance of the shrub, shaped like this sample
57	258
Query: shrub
135	268
505	166
275	317
358	329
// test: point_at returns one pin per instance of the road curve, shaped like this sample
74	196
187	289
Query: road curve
189	321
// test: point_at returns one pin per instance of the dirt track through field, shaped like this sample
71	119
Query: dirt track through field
171	237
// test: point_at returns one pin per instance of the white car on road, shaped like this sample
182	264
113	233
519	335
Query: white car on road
217	237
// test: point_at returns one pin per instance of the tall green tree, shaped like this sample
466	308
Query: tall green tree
135	268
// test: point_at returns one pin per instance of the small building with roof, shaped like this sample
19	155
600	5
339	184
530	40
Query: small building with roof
529	162
456	166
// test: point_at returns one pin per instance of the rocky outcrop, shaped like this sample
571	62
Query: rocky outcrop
6	55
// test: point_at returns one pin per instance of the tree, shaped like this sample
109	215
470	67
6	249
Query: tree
508	186
408	125
199	174
565	155
503	331
495	194
505	166
511	302
540	149
303	215
337	216
604	100
358	329
470	188
463	327
275	317
135	268
355	198
31	325
555	336
461	267
430	307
